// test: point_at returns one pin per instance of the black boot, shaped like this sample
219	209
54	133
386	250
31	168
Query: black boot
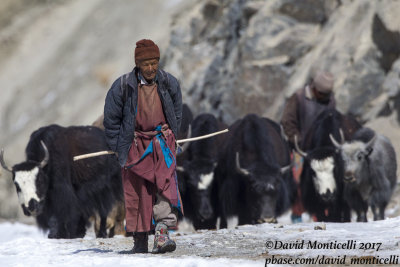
140	244
162	242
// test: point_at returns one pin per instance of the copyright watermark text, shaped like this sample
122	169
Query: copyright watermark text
337	247
347	245
323	260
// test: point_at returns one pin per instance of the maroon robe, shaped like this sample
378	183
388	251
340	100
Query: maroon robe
144	178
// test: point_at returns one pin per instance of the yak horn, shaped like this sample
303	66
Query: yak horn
180	168
46	155
189	135
284	136
341	136
296	145
240	169
3	164
286	168
334	142
370	142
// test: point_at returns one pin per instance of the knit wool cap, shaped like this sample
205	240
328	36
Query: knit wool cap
323	82
146	49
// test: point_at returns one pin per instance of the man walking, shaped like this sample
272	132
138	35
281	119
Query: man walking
300	112
142	116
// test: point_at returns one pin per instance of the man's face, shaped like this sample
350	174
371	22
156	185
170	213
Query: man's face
148	68
321	97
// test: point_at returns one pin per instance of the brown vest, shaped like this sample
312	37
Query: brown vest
149	111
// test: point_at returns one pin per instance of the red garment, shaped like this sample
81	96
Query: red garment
297	207
151	175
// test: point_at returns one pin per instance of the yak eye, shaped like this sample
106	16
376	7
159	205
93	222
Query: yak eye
17	187
360	156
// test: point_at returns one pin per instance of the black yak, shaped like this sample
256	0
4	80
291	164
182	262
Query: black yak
61	193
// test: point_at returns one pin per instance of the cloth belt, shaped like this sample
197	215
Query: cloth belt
158	133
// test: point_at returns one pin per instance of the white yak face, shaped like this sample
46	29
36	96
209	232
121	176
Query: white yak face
324	180
205	181
199	179
25	183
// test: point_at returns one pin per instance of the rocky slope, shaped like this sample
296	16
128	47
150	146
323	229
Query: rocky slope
57	61
241	56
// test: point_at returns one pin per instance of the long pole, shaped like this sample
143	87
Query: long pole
91	155
201	137
108	152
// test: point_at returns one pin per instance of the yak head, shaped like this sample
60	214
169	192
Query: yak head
30	182
199	178
263	184
355	156
325	164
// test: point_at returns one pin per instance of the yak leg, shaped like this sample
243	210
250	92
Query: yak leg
72	226
75	224
361	209
56	229
320	215
361	215
375	212
119	228
102	233
53	228
111	232
381	215
115	220
223	223
81	229
66	208
346	213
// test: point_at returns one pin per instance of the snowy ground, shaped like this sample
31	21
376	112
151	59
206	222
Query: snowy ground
249	245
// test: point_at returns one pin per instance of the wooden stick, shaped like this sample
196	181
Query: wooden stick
201	137
101	153
90	155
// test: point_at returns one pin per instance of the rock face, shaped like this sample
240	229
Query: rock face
240	56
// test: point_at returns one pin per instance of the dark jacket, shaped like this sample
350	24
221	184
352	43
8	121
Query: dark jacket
300	112
120	115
